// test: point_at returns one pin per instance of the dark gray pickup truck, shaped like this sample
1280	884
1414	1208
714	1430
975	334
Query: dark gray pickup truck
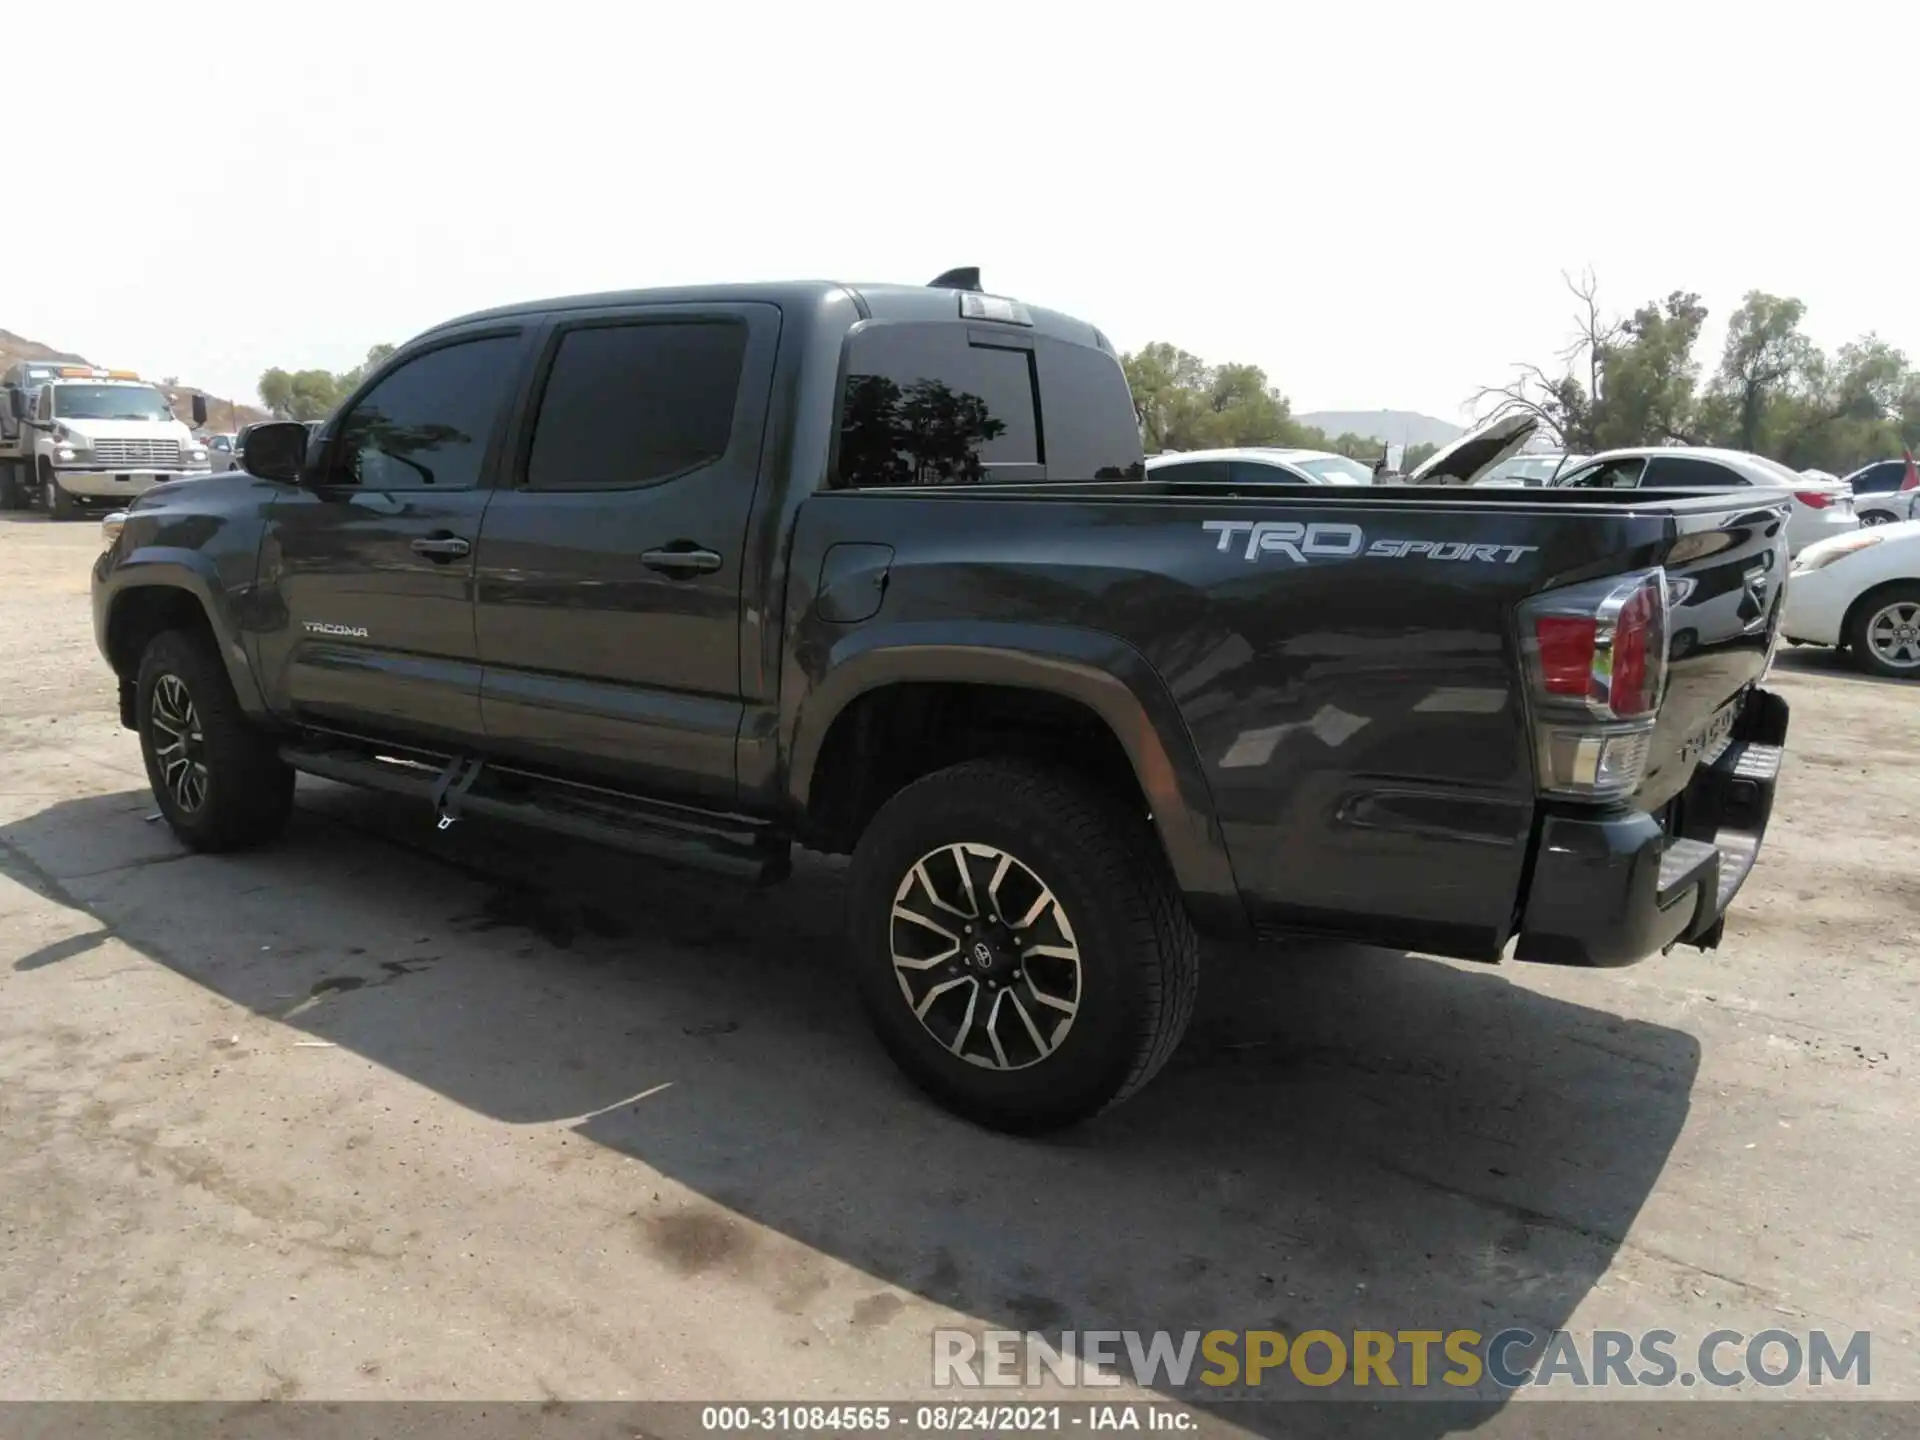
877	570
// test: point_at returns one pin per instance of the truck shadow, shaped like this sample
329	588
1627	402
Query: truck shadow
1349	1138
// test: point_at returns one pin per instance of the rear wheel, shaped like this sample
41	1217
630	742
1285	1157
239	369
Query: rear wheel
1875	517
219	782
13	493
1018	944
1883	633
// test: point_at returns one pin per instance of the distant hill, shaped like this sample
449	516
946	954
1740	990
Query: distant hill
222	415
1390	427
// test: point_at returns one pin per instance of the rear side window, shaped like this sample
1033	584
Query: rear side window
926	405
1673	472
1204	472
636	404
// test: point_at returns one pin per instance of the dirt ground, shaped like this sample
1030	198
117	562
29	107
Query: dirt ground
381	1113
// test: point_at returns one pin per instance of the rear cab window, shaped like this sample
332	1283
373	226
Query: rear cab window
952	403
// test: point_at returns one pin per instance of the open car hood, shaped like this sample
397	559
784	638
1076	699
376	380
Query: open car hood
1477	451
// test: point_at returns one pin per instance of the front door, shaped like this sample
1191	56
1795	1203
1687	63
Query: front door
611	560
372	564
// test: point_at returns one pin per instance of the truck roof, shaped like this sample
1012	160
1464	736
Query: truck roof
880	301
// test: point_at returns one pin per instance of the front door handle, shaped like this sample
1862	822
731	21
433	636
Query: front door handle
682	562
441	547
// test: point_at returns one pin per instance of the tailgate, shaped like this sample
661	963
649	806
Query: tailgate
1726	582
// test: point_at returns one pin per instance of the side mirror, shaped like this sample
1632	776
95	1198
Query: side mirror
199	411
276	450
16	402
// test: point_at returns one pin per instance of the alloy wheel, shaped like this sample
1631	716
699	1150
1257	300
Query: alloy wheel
179	746
1894	634
985	956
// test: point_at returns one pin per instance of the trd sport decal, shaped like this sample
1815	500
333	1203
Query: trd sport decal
1304	543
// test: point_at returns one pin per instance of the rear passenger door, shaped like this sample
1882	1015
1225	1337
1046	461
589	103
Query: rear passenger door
610	564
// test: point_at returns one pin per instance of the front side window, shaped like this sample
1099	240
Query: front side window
426	425
925	405
1334	469
637	404
1607	475
109	402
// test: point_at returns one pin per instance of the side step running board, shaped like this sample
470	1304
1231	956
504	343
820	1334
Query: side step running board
464	785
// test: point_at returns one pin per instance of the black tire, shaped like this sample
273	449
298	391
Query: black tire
13	492
60	505
1869	607
1138	967
245	791
1875	517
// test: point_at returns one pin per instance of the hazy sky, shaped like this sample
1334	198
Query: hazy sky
1374	202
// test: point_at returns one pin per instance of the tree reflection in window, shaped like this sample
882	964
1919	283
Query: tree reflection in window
926	433
388	455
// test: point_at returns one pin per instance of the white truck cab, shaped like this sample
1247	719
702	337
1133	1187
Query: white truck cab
77	435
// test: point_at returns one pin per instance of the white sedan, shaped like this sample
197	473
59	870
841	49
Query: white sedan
1861	592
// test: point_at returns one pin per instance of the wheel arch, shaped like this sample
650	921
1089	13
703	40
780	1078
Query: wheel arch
153	593
1062	674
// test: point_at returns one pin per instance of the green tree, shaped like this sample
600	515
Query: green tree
1647	393
314	394
1186	404
1766	367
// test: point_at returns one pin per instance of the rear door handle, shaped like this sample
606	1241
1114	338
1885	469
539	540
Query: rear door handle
441	547
682	562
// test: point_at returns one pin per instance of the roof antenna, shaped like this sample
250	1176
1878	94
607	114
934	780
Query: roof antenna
967	277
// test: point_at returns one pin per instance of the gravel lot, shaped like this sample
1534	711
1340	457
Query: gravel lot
380	1113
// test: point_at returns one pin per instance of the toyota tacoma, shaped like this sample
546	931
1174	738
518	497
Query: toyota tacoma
878	570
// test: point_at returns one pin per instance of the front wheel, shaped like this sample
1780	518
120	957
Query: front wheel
1875	517
1884	632
56	499
219	782
1018	944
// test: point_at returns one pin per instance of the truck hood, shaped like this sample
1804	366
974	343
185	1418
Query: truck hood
129	429
1477	451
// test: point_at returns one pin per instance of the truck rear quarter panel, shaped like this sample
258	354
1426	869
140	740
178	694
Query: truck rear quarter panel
1346	690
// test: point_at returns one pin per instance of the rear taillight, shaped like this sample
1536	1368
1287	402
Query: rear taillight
1813	499
1596	658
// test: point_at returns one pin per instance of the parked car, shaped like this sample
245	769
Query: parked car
1534	471
710	572
1877	496
1861	593
1820	508
1261	465
222	452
